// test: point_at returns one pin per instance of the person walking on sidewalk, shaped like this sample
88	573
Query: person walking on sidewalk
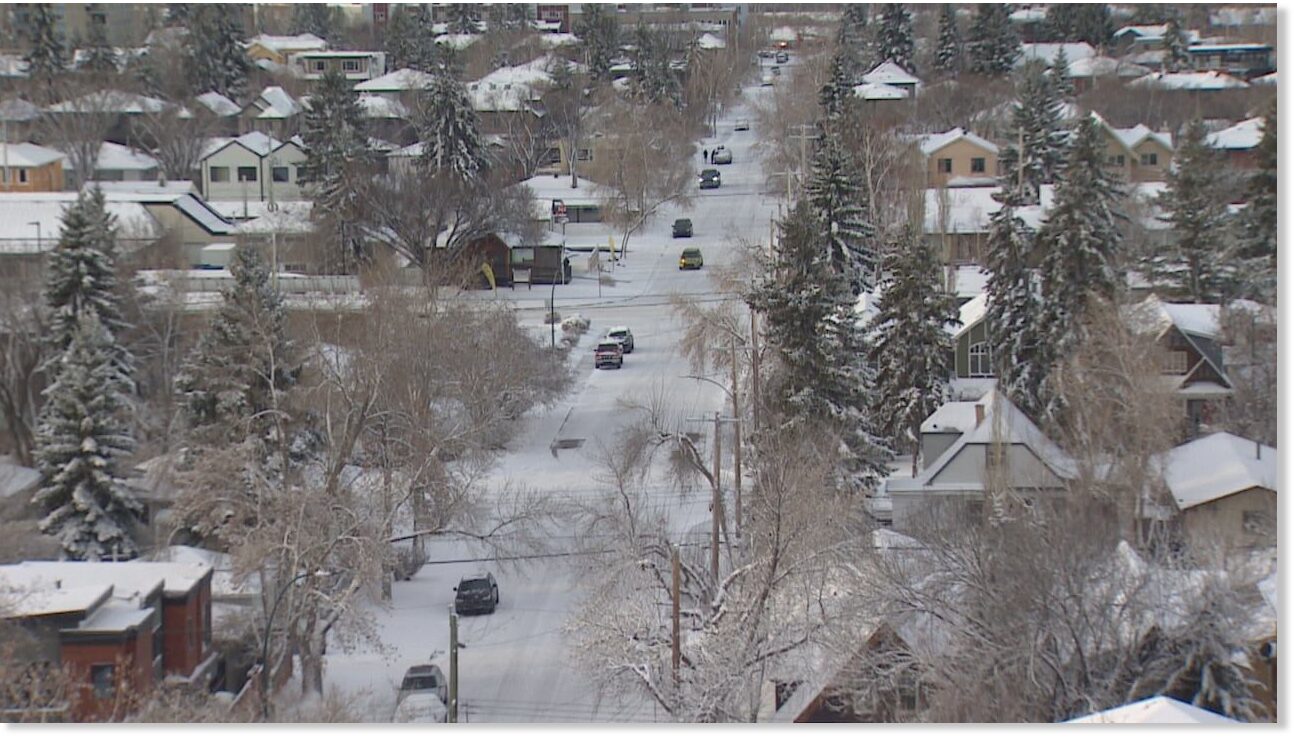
705	155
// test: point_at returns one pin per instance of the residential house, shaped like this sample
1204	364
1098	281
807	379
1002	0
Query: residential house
26	167
1030	22
1221	493
387	119
278	49
399	85
274	112
1047	52
581	203
1191	337
252	167
958	158
127	111
1241	60
223	111
1084	73
186	223
356	66
1239	143
120	628
874	92
1159	710
508	100
1137	154
559	14
889	73
957	220
117	163
1136	39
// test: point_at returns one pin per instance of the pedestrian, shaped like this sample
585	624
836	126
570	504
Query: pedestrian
705	155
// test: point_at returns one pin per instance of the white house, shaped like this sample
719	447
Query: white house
889	73
252	167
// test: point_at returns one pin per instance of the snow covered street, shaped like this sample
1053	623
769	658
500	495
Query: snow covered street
516	665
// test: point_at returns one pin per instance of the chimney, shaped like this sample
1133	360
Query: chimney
979	415
1258	450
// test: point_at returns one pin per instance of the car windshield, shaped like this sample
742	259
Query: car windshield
425	681
608	347
471	585
618	334
692	252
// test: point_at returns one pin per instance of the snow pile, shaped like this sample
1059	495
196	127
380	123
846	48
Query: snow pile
710	41
556	40
783	33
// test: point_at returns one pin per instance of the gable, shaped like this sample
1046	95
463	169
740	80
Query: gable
962	148
232	153
969	467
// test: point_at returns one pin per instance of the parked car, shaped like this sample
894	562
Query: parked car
782	57
623	335
721	155
690	259
710	179
424	679
683	228
765	54
608	353
766	80
742	125
476	594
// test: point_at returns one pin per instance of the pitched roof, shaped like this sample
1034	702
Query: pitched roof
1162	710
20	211
111	101
969	209
257	142
932	142
176	578
1217	466
970	315
889	73
1047	53
299	42
1157	315
1266	79
18	109
1104	66
1134	136
1198	81
115	156
277	103
398	81
1155	32
376	106
28	154
1245	135
218	104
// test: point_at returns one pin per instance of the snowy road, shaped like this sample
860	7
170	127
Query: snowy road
516	666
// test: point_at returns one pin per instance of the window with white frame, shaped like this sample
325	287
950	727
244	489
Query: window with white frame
1150	160
1175	362
980	360
350	65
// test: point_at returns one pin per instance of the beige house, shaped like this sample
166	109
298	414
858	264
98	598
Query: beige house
26	167
356	66
958	158
253	167
277	49
1137	154
274	112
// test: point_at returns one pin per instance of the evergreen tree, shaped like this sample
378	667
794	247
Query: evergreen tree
450	133
994	45
894	36
835	94
1199	266
1058	74
337	159
948	48
81	440
910	344
400	40
462	17
47	58
100	58
851	41
1081	22
823	378
834	193
1257	238
1080	245
316	18
217	60
506	17
1035	151
600	36
244	358
654	81
1176	57
1016	347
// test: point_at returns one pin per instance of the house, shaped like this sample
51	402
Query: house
1158	710
958	158
187	224
509	99
387	118
277	49
554	192
957	220
1136	154
1190	335
127	111
1240	60
1084	73
1133	39
121	628
253	167
1221	492
889	73
117	163
875	92
1239	143
26	167
223	111
356	66
1195	82
397	85
273	112
990	438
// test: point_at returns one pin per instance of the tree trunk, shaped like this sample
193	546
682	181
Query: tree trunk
311	653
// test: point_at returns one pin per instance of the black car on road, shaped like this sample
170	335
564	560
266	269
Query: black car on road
683	228
476	594
709	179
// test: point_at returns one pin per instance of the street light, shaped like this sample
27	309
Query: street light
265	642
37	224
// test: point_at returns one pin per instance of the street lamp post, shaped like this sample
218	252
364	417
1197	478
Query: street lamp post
265	642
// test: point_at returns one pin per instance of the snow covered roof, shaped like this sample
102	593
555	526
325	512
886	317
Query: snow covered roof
26	598
224	584
1132	137
28	154
400	80
1154	33
111	101
218	104
1156	315
970	280
969	314
275	68
117	157
1161	710
299	42
889	73
458	41
877	91
124	576
277	103
1047	53
1194	81
376	106
1266	79
710	41
1217	466
548	188
290	217
932	142
969	209
1104	66
951	417
18	109
12	65
782	33
257	142
1245	135
21	211
511	89
555	40
1029	15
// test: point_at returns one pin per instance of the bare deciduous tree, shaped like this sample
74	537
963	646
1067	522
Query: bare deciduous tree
23	350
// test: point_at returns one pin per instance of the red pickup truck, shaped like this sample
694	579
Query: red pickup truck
608	353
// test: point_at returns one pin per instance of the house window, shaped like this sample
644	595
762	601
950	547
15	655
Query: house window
320	65
585	155
945	166
1150	160
1115	160
220	174
350	65
246	174
1175	362
978	165
280	174
981	360
103	677
1256	522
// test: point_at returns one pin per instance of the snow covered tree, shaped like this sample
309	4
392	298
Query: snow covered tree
851	41
1059	75
909	342
450	132
410	42
81	440
506	17
654	80
1035	149
100	58
835	194
316	18
243	359
47	58
1199	265
462	17
1176	57
1016	345
217	59
839	89
1257	238
894	36
337	162
1081	22
599	34
948	47
994	45
1080	249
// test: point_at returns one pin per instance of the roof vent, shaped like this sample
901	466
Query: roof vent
979	414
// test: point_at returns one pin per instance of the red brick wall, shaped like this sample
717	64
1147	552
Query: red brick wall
185	630
132	658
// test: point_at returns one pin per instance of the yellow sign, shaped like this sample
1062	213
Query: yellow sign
489	274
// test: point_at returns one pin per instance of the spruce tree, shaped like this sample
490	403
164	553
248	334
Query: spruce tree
1176	57
835	195
47	58
1017	348
462	17
1081	22
450	132
337	159
910	346
894	36
851	41
1257	237
410	43
1035	149
316	18
994	45
600	36
217	60
948	47
1080	246
1059	76
244	358
835	94
1199	266
100	58
81	441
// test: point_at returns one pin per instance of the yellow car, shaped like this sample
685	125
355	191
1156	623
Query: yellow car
690	259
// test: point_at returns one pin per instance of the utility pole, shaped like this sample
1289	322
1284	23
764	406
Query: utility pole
675	656
716	500
804	153
736	438
453	665
754	368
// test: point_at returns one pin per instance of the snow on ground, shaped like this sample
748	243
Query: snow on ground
517	665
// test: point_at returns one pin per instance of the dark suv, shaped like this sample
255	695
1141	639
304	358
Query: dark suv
476	594
709	179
